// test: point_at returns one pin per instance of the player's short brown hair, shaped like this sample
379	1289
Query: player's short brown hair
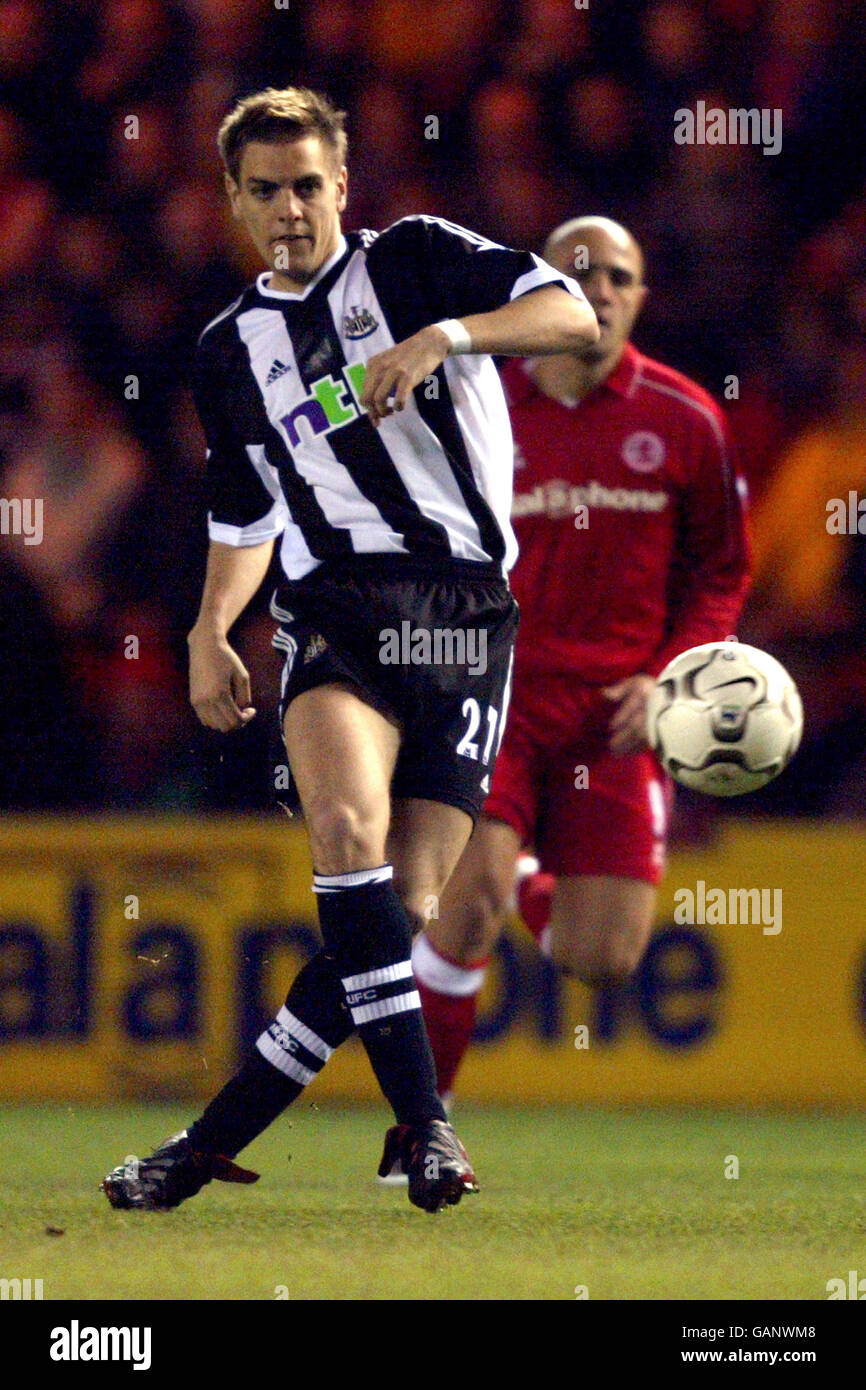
274	116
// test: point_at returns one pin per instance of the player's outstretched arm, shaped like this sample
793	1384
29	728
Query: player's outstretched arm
219	684
547	320
544	321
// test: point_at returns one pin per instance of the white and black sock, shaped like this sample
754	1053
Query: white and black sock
292	1051
367	933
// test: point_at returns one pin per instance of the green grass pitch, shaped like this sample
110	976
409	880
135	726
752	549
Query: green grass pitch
628	1204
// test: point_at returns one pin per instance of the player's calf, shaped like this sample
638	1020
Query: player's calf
450	957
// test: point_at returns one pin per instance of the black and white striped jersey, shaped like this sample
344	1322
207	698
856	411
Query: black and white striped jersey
277	381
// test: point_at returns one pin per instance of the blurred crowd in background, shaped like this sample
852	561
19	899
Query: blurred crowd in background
116	248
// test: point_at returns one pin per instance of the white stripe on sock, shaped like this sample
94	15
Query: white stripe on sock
284	1061
443	976
332	883
311	1041
383	1008
384	976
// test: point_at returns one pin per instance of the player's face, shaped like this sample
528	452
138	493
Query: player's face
609	270
289	197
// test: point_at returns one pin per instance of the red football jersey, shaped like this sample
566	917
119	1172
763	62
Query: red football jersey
630	516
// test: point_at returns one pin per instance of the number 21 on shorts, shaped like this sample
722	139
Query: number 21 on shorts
468	746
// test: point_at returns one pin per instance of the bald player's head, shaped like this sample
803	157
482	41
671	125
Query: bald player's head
608	265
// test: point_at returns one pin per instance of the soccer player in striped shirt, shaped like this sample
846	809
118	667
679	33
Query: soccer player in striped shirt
352	408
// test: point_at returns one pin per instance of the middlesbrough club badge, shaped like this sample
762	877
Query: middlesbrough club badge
643	451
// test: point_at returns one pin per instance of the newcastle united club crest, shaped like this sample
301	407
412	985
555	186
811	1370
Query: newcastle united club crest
359	324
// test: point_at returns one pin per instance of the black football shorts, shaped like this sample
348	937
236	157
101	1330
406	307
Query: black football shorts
429	647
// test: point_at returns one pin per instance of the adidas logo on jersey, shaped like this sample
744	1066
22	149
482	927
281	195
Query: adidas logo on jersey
278	369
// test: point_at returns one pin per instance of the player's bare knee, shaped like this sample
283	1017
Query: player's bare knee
483	918
343	839
566	958
492	895
420	895
610	970
612	962
464	936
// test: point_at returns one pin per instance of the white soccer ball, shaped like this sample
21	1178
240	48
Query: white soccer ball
724	718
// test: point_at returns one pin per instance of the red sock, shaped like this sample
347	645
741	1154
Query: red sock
449	995
534	902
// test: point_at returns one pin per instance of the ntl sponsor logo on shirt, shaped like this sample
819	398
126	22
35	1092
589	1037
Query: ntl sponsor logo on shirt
331	404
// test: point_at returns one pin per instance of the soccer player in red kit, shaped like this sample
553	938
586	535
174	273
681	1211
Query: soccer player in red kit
630	518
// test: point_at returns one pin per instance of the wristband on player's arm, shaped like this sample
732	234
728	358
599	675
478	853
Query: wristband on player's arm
459	338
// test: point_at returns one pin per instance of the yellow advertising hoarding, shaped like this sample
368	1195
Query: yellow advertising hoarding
139	958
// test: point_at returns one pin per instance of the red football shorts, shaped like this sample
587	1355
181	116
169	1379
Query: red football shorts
583	810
